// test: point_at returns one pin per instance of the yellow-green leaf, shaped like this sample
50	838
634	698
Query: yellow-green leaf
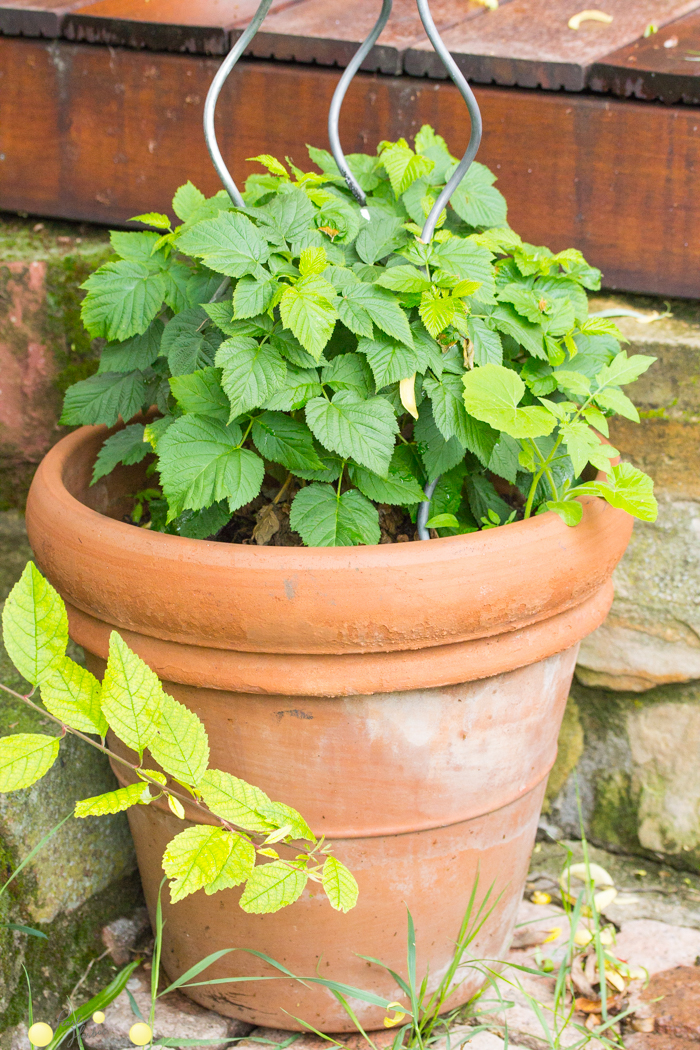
238	867
35	625
74	695
272	886
180	745
132	696
339	884
114	801
195	858
284	816
235	800
24	758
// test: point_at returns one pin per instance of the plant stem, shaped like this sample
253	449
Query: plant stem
538	475
284	488
340	479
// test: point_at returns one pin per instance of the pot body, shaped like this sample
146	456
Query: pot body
405	698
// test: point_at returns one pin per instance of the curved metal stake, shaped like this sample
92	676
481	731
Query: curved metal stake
337	101
424	510
213	95
474	115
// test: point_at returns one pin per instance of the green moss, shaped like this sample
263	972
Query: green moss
569	751
615	818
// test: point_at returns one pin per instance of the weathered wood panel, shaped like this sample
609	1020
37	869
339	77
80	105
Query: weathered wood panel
34	17
115	132
528	43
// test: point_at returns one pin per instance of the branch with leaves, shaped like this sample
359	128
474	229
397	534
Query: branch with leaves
353	358
241	824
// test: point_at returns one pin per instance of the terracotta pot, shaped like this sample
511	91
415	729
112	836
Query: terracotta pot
405	698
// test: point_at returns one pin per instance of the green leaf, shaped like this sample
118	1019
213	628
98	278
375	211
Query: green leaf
348	372
484	498
290	212
631	490
25	758
138	352
476	199
286	441
581	443
251	372
623	369
436	313
230	244
137	247
252	297
504	459
132	696
404	279
470	262
379	237
399	488
201	394
570	511
152	218
332	465
356	429
74	695
123	298
447	396
104	398
437	453
114	801
186	201
324	519
529	335
492	394
403	166
299	386
291	349
35	625
237	868
183	341
488	349
201	524
381	307
615	401
596	419
283	816
572	382
180	745
235	800
339	884
200	463
271	887
389	360
196	858
308	310
443	521
126	446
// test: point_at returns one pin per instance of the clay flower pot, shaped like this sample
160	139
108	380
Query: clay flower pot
406	698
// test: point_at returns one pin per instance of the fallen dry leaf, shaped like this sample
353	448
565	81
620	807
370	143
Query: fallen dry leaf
266	525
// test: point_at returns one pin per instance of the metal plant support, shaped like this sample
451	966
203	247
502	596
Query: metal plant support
334	136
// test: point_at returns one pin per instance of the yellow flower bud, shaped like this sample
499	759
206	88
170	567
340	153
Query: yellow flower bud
40	1034
140	1034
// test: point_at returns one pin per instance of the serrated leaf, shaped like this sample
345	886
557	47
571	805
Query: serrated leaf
271	887
570	511
615	401
437	453
505	458
403	166
483	498
529	335
196	858
25	758
572	382
383	309
348	372
469	261
271	163
286	441
308	310
436	313
492	394
476	199
137	246
627	489
379	237
488	349
122	299
398	488
104	398
200	463
126	446
339	884
404	279
201	394
324	519
283	816
290	212
113	801
389	360
237	868
299	386
136	353
35	625
131	696
355	428
251	372
201	524
180	745
74	695
183	341
235	800
186	201
230	244
581	441
153	218
452	419
252	297
442	521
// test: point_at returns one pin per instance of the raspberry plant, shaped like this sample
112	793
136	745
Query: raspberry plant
293	337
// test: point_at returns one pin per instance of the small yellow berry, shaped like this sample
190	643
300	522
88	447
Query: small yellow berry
40	1034
98	1017
140	1034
